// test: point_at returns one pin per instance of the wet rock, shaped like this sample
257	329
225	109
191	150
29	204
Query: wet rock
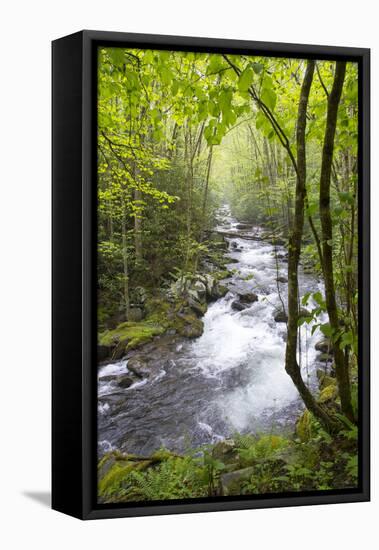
210	286
222	290
248	297
243	226
104	352
234	244
198	308
136	314
225	451
304	312
238	306
106	463
193	330
280	317
231	483
124	381
139	367
282	280
324	345
201	290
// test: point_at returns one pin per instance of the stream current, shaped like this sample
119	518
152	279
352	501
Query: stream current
230	379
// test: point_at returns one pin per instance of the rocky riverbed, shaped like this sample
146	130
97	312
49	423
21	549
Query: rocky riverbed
178	392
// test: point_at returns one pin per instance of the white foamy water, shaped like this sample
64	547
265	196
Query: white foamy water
230	379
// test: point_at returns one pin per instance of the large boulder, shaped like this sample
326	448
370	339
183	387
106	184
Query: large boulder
225	451
124	381
238	306
324	345
282	279
248	298
280	317
199	308
193	330
201	290
243	226
231	483
136	314
138	366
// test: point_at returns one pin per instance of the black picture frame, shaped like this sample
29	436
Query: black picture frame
74	274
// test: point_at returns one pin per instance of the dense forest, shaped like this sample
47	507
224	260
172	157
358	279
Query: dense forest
187	144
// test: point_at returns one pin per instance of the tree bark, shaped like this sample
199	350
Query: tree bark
342	371
294	249
137	230
125	265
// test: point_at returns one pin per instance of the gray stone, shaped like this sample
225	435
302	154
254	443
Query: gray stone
135	314
124	381
230	483
238	306
280	317
138	367
324	345
248	297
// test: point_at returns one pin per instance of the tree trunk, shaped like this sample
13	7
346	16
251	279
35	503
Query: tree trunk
342	371
137	230
125	265
294	249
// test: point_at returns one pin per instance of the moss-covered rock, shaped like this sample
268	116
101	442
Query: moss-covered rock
328	393
325	380
304	426
129	335
223	274
231	483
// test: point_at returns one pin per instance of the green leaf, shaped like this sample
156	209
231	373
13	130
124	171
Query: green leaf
268	96
257	67
245	80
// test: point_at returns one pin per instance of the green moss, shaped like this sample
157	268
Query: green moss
115	481
131	334
304	426
219	275
329	393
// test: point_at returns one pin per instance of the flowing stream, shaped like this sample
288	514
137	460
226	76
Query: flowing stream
230	379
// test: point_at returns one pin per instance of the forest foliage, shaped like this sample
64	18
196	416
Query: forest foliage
181	133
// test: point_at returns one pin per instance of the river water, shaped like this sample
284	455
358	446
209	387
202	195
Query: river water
231	379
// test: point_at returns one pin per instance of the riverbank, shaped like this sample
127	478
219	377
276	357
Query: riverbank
246	464
212	363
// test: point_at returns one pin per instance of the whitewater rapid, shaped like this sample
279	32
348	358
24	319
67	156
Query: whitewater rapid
231	379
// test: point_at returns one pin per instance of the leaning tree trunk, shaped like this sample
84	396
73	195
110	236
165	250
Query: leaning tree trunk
294	249
342	371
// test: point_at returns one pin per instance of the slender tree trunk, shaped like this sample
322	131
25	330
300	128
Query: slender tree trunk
137	230
125	265
205	196
342	372
294	249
